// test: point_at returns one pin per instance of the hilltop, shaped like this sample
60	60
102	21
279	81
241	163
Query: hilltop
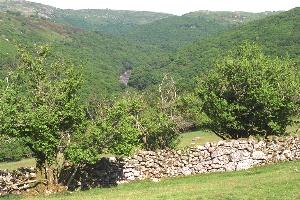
105	20
164	30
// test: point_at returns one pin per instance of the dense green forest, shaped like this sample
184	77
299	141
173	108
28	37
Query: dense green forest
83	37
175	31
103	57
278	34
107	43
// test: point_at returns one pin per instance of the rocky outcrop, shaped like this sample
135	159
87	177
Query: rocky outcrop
124	78
212	157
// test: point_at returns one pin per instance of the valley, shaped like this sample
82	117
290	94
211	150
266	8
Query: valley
97	97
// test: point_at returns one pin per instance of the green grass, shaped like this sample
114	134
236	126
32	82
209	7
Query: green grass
30	162
278	181
197	138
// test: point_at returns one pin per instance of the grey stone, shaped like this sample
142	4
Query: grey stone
244	164
186	171
258	155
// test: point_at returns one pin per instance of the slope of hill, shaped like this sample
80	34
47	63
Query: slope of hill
278	34
175	31
103	57
109	21
165	30
106	20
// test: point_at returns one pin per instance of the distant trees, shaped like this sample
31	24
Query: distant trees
249	93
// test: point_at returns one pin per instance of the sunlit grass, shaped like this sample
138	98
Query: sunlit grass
276	182
29	162
197	138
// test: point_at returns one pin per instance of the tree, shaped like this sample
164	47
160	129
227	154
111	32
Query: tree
190	108
39	104
13	149
249	93
158	130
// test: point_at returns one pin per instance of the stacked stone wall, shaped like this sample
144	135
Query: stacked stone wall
221	156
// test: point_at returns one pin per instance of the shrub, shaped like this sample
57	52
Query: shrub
249	93
13	149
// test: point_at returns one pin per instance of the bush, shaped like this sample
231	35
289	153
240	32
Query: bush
248	93
158	130
130	122
189	107
12	149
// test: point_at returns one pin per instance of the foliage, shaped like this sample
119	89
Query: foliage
189	106
278	34
176	31
130	122
158	130
121	123
40	105
13	149
248	93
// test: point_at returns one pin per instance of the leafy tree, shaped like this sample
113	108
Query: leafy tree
248	93
190	108
40	105
121	123
131	122
158	130
13	149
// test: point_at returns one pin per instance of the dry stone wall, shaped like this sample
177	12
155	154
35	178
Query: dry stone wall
212	157
17	180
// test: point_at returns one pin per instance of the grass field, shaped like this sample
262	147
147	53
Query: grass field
29	162
197	138
274	182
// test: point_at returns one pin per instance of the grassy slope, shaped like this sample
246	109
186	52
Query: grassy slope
278	181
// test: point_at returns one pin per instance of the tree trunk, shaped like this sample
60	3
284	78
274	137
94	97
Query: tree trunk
47	175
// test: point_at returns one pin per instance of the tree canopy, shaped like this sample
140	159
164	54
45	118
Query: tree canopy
249	93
